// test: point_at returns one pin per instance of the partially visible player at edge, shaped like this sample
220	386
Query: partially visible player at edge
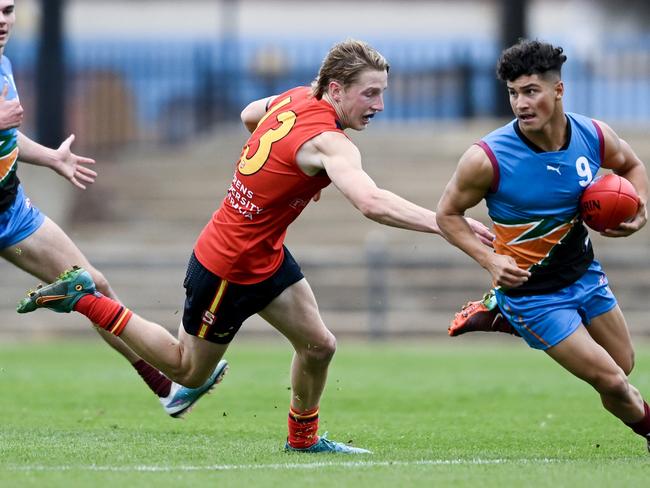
531	173
240	266
33	242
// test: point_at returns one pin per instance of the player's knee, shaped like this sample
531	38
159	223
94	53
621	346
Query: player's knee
329	346
320	351
613	384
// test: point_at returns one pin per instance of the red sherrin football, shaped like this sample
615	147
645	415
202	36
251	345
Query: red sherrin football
608	201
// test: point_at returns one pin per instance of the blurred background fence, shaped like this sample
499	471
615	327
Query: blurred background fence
159	109
133	92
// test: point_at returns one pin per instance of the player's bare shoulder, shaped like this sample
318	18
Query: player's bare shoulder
611	140
474	156
329	142
604	127
313	153
475	168
617	153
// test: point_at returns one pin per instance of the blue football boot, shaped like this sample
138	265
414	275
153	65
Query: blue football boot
326	445
181	399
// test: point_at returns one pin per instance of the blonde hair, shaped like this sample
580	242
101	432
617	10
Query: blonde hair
344	63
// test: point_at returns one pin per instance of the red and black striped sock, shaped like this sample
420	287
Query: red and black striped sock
104	312
642	427
158	382
303	428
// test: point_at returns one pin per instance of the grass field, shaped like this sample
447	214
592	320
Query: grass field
447	413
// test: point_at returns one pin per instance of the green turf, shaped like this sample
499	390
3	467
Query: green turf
447	413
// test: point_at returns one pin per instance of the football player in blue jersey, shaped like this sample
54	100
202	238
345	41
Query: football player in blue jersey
34	243
548	287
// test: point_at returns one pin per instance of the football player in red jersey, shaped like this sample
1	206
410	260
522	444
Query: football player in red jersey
240	266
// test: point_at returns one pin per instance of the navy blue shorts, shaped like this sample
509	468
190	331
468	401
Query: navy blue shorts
215	309
19	221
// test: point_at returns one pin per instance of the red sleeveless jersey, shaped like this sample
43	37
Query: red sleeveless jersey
243	241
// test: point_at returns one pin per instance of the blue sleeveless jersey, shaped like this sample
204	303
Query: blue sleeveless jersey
534	202
8	143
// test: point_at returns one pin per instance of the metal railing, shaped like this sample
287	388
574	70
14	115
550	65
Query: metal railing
122	93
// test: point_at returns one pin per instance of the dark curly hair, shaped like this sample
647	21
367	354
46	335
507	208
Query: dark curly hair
529	58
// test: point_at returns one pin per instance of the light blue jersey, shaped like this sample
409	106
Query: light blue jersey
18	217
534	202
8	142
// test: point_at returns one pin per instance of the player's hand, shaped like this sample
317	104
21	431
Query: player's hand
481	231
317	196
506	273
11	111
631	226
73	167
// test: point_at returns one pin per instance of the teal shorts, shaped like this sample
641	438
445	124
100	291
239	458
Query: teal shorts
546	320
19	221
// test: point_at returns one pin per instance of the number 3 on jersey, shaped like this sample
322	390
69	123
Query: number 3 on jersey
249	164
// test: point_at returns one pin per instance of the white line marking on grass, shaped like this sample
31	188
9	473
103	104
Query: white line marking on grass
282	466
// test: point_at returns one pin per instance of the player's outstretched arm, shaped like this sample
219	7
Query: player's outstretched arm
342	161
481	230
62	160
